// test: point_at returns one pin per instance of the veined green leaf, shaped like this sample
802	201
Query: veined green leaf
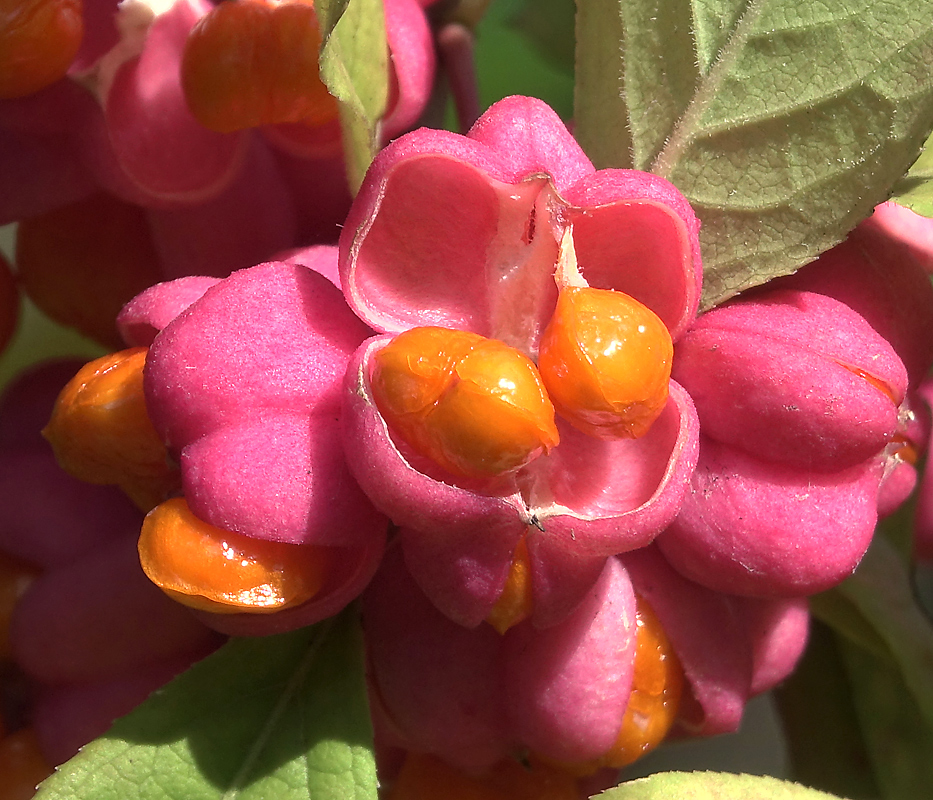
281	717
710	786
783	122
915	189
355	68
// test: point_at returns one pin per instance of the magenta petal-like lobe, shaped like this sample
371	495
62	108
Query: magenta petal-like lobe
229	347
157	141
709	637
568	685
298	491
151	310
438	683
635	233
771	378
756	528
611	496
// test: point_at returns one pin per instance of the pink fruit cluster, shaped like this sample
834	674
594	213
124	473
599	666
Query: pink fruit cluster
88	637
115	145
760	483
792	418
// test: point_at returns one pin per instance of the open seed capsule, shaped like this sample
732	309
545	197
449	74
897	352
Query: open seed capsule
605	359
475	406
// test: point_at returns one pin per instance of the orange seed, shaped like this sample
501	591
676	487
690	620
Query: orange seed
101	432
475	406
212	569
605	359
254	62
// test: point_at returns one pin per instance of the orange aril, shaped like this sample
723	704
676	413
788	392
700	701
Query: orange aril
515	603
101	432
657	687
605	359
22	765
473	405
427	777
38	41
654	702
213	569
253	62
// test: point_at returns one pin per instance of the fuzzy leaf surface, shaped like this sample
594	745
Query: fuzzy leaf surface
711	786
281	716
915	189
784	123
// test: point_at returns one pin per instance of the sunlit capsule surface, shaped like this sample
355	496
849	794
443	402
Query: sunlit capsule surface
473	405
217	570
605	359
654	702
252	62
38	41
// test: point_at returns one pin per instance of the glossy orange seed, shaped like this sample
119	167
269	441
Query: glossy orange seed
101	432
426	777
217	570
473	405
22	765
254	62
515	603
605	359
657	687
38	41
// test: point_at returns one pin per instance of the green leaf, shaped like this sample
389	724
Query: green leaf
915	189
508	62
547	25
881	591
821	727
710	786
899	740
354	65
281	717
783	122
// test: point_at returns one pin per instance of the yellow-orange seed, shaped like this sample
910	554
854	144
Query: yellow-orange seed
473	405
605	359
217	570
100	430
22	765
254	62
657	687
515	603
654	702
